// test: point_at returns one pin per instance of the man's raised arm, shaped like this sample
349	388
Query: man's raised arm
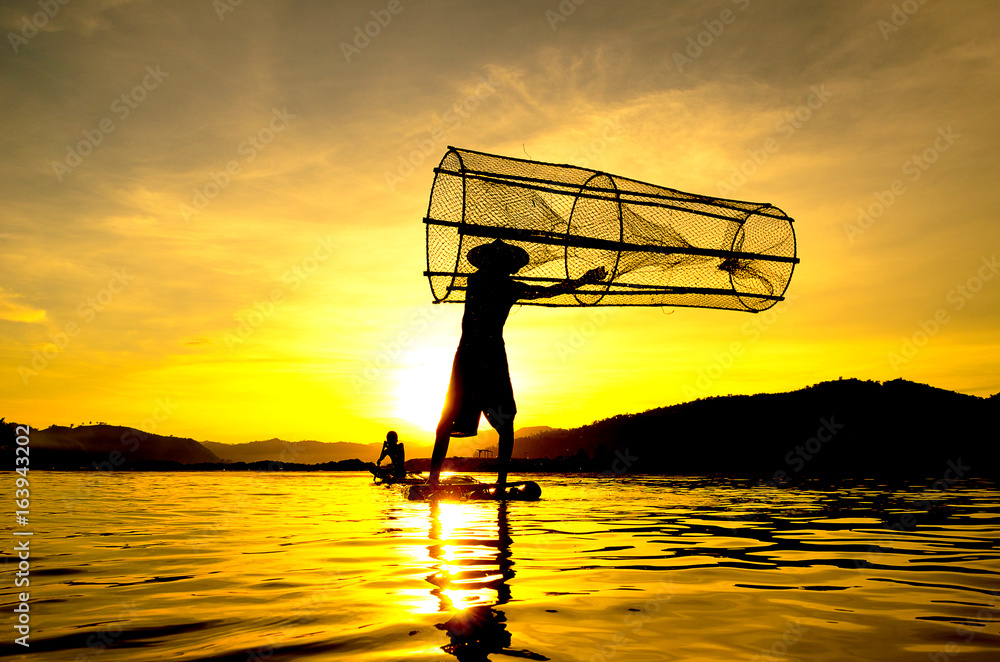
567	286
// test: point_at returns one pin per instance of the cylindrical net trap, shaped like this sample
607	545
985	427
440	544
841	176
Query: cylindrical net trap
660	247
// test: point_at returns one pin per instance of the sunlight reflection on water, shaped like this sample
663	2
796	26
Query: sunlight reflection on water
323	566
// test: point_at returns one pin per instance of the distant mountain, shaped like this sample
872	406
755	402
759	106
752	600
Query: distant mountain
840	428
302	452
844	427
316	452
109	447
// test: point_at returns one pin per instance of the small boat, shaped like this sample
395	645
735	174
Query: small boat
383	476
459	487
467	488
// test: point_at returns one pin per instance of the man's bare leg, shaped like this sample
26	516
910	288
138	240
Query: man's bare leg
440	451
505	448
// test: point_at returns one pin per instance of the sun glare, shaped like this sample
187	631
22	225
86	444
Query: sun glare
422	384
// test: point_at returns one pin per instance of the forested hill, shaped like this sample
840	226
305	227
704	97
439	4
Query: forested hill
844	427
104	447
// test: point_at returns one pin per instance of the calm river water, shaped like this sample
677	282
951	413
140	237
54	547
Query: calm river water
327	566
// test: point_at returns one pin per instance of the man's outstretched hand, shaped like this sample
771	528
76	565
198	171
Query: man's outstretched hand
569	285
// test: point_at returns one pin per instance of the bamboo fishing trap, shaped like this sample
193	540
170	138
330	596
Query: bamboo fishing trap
660	247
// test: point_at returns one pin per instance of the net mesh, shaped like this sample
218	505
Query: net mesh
660	247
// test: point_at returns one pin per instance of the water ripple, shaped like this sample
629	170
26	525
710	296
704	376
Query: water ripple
327	566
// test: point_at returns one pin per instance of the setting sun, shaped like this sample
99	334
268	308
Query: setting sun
421	386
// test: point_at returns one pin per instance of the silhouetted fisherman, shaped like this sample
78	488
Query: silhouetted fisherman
480	376
393	449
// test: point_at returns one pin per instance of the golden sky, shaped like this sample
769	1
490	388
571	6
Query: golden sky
211	219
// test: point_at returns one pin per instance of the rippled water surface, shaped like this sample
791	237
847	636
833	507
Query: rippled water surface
327	566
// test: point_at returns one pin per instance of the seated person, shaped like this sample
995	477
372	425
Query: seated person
393	449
